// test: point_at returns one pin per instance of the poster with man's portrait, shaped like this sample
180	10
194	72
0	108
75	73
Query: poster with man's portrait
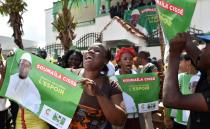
47	90
144	18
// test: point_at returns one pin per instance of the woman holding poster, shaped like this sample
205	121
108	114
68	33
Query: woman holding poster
124	58
101	102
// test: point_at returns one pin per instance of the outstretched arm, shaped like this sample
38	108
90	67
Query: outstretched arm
172	97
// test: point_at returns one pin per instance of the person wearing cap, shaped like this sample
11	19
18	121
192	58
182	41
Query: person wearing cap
134	21
199	102
21	88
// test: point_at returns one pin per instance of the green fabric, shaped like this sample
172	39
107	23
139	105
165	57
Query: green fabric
108	4
184	80
57	7
175	15
98	5
168	112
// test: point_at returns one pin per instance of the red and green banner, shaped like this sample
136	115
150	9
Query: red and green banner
147	18
47	90
175	15
143	88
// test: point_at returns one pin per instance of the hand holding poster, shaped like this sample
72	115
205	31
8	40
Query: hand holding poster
47	90
175	15
143	88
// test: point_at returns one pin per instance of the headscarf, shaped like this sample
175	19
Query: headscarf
122	51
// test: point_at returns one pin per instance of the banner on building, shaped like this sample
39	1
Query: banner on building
175	16
144	18
45	89
143	88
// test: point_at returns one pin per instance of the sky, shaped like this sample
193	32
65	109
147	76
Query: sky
34	21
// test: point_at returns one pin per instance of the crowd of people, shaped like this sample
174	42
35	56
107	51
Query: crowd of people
97	102
103	104
119	8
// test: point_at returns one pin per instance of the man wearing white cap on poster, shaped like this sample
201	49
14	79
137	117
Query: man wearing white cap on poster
134	21
21	88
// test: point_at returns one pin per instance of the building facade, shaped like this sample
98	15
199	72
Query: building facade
114	32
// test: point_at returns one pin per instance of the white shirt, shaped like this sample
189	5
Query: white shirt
24	92
4	104
141	29
111	68
129	101
194	80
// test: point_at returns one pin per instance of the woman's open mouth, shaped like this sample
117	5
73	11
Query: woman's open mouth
88	58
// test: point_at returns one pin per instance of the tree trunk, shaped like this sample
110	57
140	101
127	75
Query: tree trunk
18	39
65	41
16	24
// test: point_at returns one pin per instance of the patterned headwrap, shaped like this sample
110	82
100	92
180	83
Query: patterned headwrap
122	51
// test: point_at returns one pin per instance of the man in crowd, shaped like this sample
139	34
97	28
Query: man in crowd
199	102
21	88
135	15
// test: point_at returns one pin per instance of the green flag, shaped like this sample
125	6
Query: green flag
143	88
47	90
175	15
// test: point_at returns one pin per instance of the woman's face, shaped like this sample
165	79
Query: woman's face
95	58
126	62
74	61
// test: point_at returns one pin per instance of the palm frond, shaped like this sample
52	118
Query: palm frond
15	10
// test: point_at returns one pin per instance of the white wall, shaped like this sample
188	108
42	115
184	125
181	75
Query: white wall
84	13
50	35
154	51
100	22
137	40
200	20
7	43
114	32
201	17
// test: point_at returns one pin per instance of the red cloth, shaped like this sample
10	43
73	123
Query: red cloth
122	51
